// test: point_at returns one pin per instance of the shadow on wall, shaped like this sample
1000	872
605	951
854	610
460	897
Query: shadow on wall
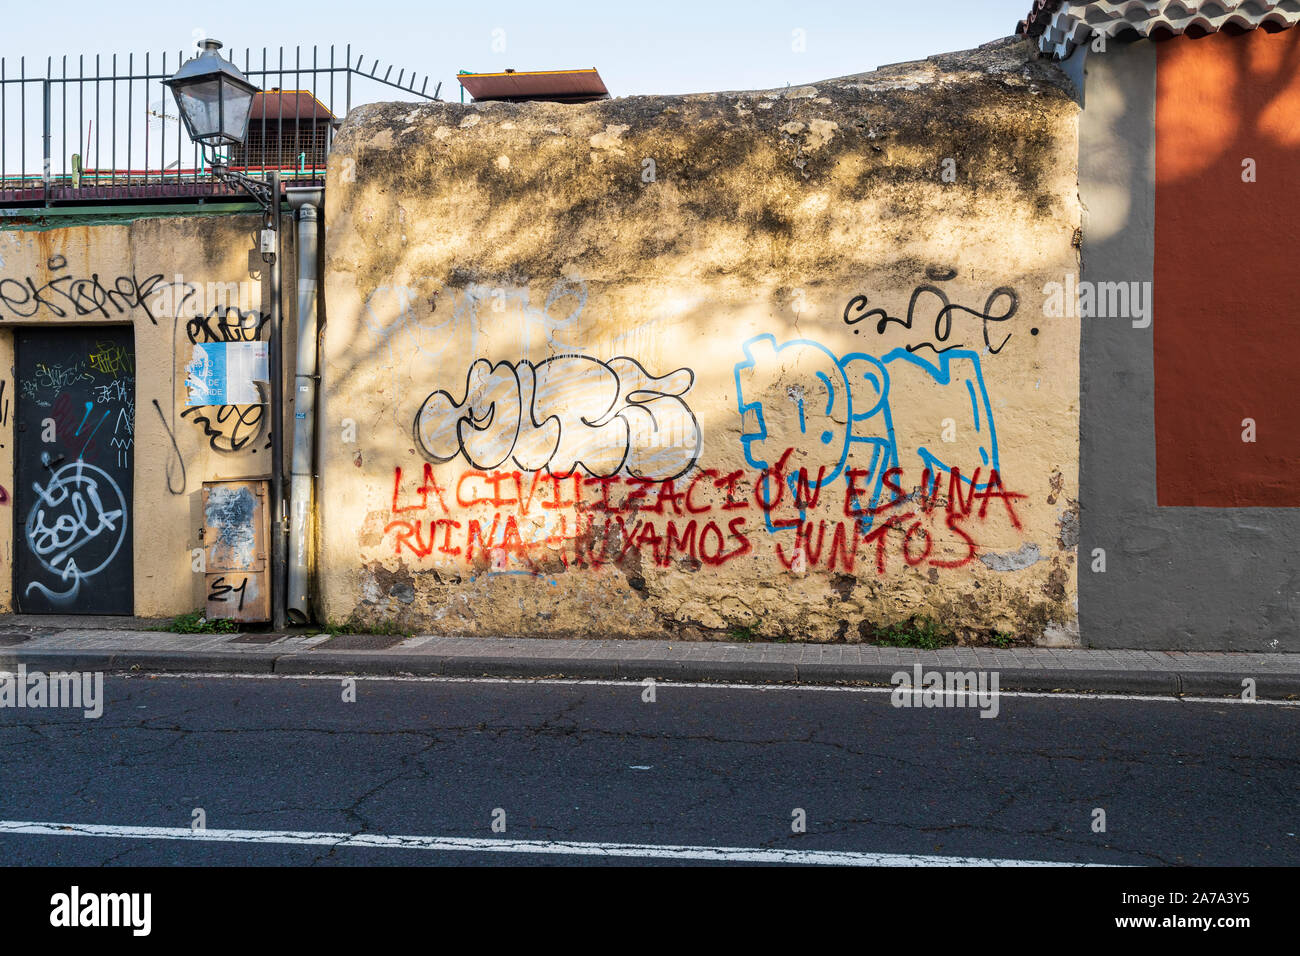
1227	237
1226	97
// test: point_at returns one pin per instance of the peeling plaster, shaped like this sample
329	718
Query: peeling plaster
1018	560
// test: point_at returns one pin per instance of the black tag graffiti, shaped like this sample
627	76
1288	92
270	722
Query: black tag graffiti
228	428
856	311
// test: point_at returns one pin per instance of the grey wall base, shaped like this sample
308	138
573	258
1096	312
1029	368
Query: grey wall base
1175	578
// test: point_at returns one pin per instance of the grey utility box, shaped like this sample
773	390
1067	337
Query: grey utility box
236	539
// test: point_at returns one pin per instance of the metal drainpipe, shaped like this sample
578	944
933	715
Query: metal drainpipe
277	412
306	203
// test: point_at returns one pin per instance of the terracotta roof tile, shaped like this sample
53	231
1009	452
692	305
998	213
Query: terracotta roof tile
1063	25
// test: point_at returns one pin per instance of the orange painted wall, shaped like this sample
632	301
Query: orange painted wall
1227	270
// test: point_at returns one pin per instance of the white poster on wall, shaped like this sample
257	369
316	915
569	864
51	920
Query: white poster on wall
227	373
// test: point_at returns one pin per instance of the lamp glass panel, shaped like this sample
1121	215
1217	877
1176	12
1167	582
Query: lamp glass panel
200	102
239	102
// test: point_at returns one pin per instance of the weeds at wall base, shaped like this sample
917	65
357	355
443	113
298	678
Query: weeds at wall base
381	628
921	633
918	633
195	622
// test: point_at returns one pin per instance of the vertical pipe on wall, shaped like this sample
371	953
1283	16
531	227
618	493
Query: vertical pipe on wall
318	445
277	418
307	203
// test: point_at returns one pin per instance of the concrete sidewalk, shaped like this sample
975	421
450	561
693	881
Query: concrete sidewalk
1276	676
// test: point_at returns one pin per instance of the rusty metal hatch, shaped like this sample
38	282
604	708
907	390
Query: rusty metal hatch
236	532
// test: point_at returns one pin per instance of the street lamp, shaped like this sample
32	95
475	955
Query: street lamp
215	101
214	97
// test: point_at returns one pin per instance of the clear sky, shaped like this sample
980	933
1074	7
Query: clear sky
657	46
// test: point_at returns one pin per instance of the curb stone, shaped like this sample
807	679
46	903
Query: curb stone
266	659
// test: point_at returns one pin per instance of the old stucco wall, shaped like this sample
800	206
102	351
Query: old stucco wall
165	274
682	365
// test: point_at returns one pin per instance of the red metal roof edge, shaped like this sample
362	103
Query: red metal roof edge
313	108
541	84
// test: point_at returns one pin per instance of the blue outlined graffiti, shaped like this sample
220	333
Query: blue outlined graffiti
845	419
950	370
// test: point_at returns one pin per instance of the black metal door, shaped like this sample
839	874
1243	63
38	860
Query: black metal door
74	454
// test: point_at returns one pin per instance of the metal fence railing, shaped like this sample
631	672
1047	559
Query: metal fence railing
107	129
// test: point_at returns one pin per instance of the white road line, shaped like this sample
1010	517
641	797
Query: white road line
703	685
718	854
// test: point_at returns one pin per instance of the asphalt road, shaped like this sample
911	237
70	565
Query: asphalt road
1180	782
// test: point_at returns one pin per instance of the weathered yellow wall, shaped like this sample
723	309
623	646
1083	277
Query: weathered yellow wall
673	279
172	454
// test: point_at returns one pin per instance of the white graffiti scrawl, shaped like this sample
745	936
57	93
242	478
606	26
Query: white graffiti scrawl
80	513
563	413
